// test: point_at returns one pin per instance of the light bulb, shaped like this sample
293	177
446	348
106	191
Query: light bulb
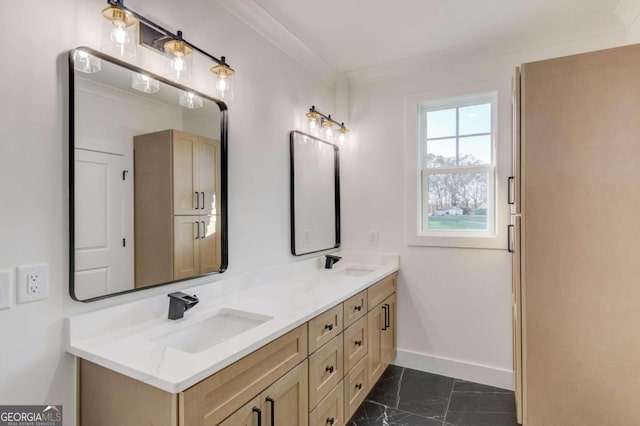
119	37
342	138
144	83
313	124
328	134
190	100
84	62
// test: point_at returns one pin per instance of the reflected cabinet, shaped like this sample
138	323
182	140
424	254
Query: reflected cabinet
176	233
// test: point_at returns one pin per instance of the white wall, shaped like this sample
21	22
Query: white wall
455	311
271	96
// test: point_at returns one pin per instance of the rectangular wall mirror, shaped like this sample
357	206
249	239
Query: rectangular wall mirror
315	194
147	160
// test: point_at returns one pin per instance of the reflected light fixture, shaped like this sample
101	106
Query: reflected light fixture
179	59
318	122
144	83
223	88
86	62
190	100
119	35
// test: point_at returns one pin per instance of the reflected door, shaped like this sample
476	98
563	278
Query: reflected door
101	252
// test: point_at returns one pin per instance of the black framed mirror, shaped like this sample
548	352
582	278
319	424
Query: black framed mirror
147	179
315	194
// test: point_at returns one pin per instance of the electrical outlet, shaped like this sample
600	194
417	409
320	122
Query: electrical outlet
33	283
6	295
373	238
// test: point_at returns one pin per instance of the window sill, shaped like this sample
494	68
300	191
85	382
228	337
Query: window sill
490	242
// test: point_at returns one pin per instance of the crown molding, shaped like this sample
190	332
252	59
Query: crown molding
628	12
256	17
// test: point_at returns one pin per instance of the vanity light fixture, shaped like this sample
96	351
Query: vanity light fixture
144	83
318	121
190	100
121	40
119	35
86	62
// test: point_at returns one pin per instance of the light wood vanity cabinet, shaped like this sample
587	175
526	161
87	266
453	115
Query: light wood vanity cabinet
315	375
175	206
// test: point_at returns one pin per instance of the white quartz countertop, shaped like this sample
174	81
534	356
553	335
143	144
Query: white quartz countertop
121	338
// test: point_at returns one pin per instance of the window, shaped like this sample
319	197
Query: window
456	140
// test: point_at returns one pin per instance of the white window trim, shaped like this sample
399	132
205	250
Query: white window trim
493	239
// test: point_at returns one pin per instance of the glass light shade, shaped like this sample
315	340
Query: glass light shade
343	135
86	62
327	131
223	87
179	60
144	83
313	122
190	100
119	33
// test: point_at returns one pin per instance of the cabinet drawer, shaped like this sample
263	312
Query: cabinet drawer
330	411
325	370
356	342
381	290
215	398
356	387
325	327
355	308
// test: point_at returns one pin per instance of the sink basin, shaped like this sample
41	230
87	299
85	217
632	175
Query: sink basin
356	271
225	324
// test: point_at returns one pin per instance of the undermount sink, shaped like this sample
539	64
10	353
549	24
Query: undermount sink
353	271
225	324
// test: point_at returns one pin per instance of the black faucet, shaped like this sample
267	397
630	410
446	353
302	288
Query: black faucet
179	303
331	260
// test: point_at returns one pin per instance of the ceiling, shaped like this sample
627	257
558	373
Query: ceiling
356	34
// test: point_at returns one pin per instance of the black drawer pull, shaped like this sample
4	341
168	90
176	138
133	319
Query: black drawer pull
202	201
509	241
330	421
510	183
358	342
358	386
197	200
328	327
385	326
329	369
357	308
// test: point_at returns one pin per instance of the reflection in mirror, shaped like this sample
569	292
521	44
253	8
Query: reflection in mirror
146	162
315	194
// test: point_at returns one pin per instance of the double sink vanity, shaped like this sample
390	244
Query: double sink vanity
292	345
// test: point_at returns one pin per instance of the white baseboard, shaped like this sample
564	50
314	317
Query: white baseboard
463	370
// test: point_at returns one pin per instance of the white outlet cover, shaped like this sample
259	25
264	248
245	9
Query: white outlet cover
6	287
23	272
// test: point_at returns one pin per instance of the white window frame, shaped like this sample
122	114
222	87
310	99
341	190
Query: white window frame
416	174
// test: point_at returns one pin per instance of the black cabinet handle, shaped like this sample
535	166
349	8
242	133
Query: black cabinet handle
202	201
197	230
509	242
330	421
358	386
259	413
204	229
384	327
388	312
510	198
357	308
358	342
329	369
273	410
328	327
197	200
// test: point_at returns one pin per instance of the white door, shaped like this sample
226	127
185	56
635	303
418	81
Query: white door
103	253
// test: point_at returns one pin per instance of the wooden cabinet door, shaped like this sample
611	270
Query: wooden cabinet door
210	249
249	415
388	350
375	324
208	175
186	246
186	196
286	402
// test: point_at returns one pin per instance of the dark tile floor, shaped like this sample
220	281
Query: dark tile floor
406	397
